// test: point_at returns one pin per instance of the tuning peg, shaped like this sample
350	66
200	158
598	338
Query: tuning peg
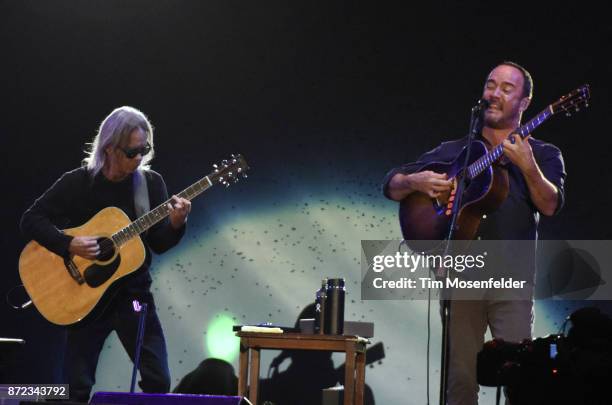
215	166
244	175
226	184
239	170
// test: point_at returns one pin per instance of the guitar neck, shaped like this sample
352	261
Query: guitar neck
487	160
160	212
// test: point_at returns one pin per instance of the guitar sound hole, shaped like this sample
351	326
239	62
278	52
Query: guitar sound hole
107	249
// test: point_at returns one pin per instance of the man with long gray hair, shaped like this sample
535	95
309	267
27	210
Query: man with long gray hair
115	173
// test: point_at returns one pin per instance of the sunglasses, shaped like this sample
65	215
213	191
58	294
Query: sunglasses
131	153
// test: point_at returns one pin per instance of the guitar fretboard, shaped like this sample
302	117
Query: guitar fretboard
158	213
491	157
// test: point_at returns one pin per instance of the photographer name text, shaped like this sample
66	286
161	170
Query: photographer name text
426	282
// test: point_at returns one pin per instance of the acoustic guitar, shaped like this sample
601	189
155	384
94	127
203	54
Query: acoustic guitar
68	291
423	218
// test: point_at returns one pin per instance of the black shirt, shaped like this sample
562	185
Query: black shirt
77	196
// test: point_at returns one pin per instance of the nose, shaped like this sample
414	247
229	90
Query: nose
491	94
497	92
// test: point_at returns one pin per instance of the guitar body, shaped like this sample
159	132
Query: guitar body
425	218
72	290
57	295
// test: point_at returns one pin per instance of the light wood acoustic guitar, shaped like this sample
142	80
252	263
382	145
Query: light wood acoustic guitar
424	219
72	290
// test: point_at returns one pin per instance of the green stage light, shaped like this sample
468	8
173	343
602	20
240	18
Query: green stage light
221	342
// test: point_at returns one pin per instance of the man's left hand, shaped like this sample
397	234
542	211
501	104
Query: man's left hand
520	153
179	209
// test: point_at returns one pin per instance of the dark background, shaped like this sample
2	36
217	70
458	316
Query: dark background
307	91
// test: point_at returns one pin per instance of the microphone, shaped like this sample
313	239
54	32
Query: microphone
481	105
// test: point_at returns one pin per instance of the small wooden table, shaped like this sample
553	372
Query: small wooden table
251	344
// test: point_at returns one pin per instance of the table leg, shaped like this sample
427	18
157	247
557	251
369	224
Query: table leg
360	378
254	376
243	370
349	375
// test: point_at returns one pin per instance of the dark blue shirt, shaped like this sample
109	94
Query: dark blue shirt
517	218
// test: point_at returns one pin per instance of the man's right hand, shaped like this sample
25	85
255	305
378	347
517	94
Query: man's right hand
431	183
85	246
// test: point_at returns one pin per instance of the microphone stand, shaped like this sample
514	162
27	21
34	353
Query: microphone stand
475	128
142	317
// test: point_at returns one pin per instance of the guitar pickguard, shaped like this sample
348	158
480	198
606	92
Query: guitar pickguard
66	291
97	274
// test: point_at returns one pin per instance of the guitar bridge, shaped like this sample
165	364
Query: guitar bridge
445	204
73	271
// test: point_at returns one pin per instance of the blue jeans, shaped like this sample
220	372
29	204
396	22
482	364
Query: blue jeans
85	344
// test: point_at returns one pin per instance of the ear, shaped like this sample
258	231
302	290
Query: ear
525	103
109	151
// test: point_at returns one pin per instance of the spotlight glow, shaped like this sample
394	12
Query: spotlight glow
221	342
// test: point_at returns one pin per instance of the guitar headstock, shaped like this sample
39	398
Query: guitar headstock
573	101
229	171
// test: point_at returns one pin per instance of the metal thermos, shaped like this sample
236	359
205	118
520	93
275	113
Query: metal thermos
334	307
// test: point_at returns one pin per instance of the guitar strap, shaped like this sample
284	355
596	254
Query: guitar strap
141	193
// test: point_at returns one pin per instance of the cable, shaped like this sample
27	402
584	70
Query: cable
403	242
18	306
428	336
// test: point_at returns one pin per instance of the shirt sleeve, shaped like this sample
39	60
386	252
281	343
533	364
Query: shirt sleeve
162	236
552	165
413	167
52	209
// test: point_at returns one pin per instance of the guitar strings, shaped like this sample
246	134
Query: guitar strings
106	246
